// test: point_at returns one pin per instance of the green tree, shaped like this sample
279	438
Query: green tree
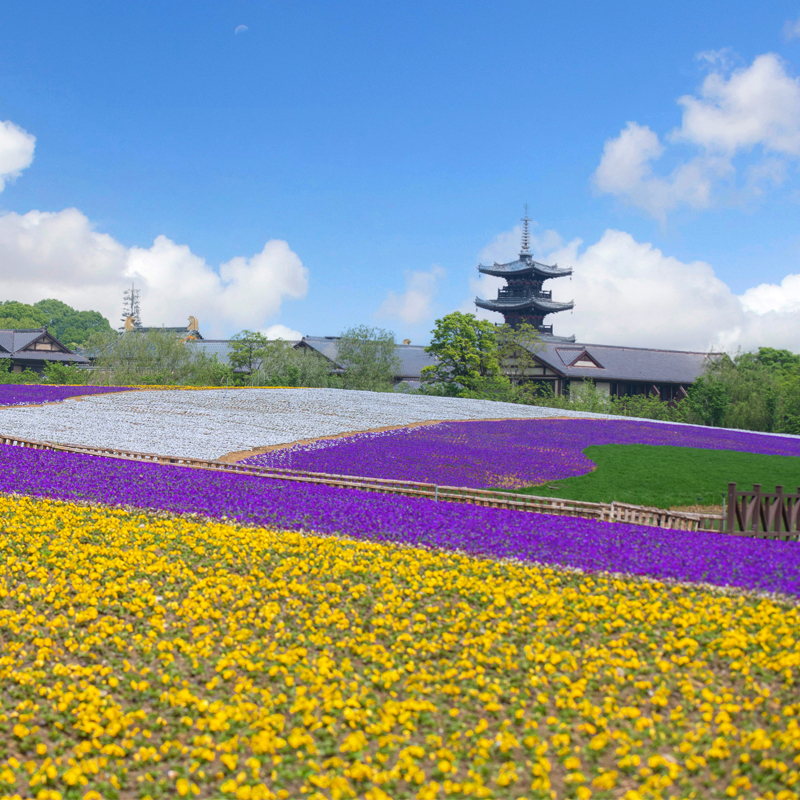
466	352
247	351
282	364
369	358
516	351
20	315
69	326
73	328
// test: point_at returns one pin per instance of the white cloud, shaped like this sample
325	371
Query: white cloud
752	111
791	29
631	293
59	254
16	151
240	29
416	303
282	332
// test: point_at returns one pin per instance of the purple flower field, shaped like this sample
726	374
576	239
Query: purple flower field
508	454
21	394
483	532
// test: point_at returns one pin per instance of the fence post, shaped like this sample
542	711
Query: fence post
730	521
778	509
757	505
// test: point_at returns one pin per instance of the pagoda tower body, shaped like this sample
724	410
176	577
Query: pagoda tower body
523	300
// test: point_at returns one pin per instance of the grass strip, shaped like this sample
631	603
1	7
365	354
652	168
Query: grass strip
664	476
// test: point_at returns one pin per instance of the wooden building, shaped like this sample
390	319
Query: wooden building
32	348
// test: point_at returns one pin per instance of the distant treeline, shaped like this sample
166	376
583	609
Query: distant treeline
73	328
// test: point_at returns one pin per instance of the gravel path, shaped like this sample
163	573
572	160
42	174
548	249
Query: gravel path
211	423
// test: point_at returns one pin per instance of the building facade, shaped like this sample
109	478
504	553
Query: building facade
32	348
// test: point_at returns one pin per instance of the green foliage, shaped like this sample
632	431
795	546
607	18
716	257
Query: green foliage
8	376
369	357
258	361
73	328
466	352
247	351
516	351
56	372
69	326
20	315
664	477
156	358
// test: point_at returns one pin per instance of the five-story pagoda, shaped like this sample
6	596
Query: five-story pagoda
523	299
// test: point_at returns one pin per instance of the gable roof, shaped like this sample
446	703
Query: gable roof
633	364
412	357
13	342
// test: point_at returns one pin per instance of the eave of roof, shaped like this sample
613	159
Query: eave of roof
512	304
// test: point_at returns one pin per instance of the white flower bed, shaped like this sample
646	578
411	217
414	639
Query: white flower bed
211	423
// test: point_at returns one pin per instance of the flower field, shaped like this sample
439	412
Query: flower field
31	394
484	532
508	453
162	658
211	423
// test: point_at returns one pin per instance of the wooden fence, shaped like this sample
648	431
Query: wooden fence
772	515
607	512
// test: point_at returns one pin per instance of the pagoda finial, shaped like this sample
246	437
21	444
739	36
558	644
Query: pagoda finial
526	239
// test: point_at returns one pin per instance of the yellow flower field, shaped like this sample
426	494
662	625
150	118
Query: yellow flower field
156	657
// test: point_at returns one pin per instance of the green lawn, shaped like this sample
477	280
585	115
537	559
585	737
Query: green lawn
664	476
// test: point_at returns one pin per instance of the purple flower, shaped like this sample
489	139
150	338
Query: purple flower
16	394
483	532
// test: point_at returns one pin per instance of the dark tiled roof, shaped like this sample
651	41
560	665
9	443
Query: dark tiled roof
634	364
14	341
220	348
412	357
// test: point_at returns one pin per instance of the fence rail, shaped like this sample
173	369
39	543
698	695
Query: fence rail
772	515
606	512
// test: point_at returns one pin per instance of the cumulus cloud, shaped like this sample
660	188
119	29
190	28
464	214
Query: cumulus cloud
282	332
750	112
791	29
59	254
16	151
630	293
416	303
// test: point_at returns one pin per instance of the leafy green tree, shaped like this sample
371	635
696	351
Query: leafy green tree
516	351
57	372
247	351
20	315
369	357
282	364
69	326
466	352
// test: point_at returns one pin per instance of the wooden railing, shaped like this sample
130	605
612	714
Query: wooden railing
773	515
607	512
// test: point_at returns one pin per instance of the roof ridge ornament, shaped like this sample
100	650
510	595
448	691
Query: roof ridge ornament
526	239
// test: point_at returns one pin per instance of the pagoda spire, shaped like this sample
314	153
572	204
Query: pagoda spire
526	239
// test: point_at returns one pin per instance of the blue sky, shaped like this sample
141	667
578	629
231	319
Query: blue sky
337	163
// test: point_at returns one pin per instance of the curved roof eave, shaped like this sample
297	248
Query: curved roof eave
547	306
525	267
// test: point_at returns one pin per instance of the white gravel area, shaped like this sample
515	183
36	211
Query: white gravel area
211	423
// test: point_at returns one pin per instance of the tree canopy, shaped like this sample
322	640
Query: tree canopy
69	326
466	352
369	356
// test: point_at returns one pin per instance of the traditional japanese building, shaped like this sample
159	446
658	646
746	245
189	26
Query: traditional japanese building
523	300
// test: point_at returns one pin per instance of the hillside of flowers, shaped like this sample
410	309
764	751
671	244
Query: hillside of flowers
35	394
705	557
157	658
507	453
209	423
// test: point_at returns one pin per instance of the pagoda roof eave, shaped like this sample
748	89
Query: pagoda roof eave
512	304
525	266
